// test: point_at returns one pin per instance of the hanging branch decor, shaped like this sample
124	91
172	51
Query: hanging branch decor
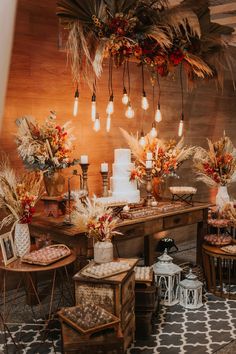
150	32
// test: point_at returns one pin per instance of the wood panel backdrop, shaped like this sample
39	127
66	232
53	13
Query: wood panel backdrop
40	81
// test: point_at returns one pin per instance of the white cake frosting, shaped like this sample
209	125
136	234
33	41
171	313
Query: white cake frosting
121	186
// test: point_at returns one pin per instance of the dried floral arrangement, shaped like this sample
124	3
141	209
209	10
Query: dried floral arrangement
149	31
217	165
97	219
229	212
18	194
46	147
167	156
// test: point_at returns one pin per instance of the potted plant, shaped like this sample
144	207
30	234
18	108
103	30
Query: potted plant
99	223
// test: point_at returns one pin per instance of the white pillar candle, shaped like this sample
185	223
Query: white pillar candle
149	155
104	167
148	164
83	159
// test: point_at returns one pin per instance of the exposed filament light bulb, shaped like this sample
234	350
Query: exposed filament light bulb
158	115
142	141
125	97
93	107
97	124
108	123
153	132
145	104
76	103
129	113
181	126
110	106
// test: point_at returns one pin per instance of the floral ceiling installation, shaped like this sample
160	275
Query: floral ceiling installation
149	32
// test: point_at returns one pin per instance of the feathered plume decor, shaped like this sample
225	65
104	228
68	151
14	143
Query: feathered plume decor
148	31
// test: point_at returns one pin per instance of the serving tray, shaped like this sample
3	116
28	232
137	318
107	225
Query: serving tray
47	255
107	266
76	317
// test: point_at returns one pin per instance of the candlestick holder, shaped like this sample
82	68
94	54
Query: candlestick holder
104	184
84	168
149	197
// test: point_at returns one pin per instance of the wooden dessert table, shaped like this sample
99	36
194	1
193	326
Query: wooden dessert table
220	271
144	227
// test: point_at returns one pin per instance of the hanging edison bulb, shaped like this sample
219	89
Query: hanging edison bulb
145	104
129	113
181	126
153	132
93	107
158	115
108	123
110	106
142	140
76	103
125	97
97	124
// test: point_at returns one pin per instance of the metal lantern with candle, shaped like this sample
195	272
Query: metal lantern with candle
167	277
190	291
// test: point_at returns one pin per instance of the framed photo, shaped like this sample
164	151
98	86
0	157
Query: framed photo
7	247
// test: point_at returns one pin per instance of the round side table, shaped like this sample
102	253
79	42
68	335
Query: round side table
220	271
27	276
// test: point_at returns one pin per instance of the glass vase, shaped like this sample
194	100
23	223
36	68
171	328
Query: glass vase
54	184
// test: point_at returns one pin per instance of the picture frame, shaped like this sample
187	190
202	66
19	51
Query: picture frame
7	248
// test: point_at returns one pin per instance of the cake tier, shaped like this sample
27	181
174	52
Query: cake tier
129	197
122	184
122	169
123	156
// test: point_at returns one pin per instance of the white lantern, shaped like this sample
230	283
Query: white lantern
190	290
167	276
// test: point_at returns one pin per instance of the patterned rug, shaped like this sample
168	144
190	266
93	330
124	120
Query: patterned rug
176	331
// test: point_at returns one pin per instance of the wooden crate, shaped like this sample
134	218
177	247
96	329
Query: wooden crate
146	298
103	342
115	294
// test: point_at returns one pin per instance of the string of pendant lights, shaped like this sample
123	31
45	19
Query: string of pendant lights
129	112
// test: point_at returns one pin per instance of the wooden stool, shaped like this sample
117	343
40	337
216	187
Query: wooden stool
220	271
54	206
102	342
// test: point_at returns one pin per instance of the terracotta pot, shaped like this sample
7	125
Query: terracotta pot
54	184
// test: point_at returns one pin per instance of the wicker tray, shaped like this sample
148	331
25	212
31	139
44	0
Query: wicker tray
29	259
85	272
112	321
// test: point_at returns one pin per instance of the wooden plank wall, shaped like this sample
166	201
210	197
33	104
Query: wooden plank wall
40	81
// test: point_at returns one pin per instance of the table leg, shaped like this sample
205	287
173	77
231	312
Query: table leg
149	256
201	232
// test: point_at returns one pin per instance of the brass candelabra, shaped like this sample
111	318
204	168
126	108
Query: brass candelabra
149	197
104	184
84	168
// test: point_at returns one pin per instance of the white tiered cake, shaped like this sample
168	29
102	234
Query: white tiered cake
121	186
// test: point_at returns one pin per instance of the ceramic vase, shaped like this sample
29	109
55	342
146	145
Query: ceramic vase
54	184
103	252
22	239
222	196
157	188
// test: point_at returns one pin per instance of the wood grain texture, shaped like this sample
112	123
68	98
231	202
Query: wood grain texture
40	80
